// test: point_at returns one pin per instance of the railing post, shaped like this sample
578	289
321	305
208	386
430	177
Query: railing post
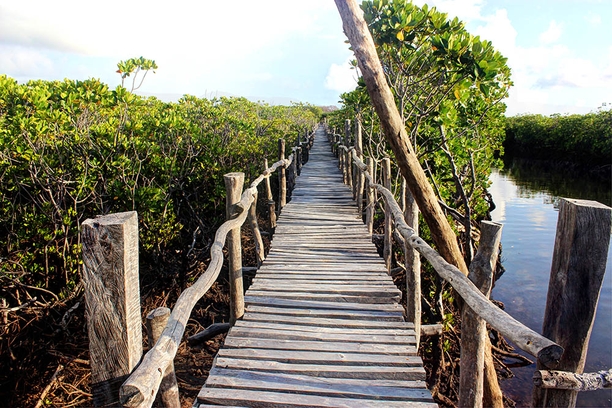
388	245
298	158
473	328
271	203
347	158
252	218
282	177
412	262
168	389
233	187
576	275
112	297
360	179
371	197
341	161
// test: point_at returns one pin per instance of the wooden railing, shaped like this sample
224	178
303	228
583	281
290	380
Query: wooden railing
110	254
583	237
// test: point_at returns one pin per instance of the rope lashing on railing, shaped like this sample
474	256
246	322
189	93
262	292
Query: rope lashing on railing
140	388
526	339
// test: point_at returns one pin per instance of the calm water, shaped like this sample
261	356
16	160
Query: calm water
526	205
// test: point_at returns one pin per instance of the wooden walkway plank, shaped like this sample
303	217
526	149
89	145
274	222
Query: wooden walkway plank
323	326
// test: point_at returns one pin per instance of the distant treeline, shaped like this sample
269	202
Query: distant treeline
581	139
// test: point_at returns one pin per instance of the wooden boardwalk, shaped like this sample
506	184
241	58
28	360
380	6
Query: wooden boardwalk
322	326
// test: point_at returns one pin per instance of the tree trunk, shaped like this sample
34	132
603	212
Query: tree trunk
363	46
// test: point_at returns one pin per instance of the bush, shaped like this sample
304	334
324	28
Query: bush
71	150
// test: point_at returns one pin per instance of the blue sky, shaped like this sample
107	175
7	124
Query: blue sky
560	51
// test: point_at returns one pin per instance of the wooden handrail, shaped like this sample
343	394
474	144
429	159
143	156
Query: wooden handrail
141	387
526	339
565	380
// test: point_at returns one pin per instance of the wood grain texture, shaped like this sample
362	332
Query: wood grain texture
576	275
168	390
474	330
322	323
112	296
233	189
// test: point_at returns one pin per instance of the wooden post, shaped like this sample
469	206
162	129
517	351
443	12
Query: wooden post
412	262
347	159
298	158
168	389
473	328
349	169
388	248
360	177
252	218
371	198
576	275
282	177
271	203
347	132
112	296
233	188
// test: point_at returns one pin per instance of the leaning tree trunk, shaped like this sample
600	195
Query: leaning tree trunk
361	40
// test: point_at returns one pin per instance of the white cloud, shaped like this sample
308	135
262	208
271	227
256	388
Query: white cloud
552	34
592	18
466	10
341	78
26	62
499	30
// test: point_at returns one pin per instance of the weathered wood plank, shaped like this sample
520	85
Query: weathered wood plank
333	280
340	297
414	390
330	370
387	331
328	288
312	304
328	313
321	357
288	378
264	333
278	399
326	322
347	347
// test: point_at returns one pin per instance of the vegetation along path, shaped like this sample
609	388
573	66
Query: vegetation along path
323	326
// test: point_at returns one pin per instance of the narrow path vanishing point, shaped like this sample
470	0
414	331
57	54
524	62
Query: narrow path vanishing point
323	326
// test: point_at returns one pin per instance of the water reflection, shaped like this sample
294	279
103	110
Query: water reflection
527	205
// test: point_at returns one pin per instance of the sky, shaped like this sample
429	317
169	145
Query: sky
560	51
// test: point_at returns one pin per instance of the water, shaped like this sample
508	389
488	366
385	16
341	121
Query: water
526	205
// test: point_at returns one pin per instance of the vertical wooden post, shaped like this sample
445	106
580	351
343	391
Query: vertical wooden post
473	328
412	262
298	163
576	275
168	389
371	198
112	296
252	218
360	178
341	159
349	168
233	187
271	203
282	177
388	245
335	145
347	132
347	159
